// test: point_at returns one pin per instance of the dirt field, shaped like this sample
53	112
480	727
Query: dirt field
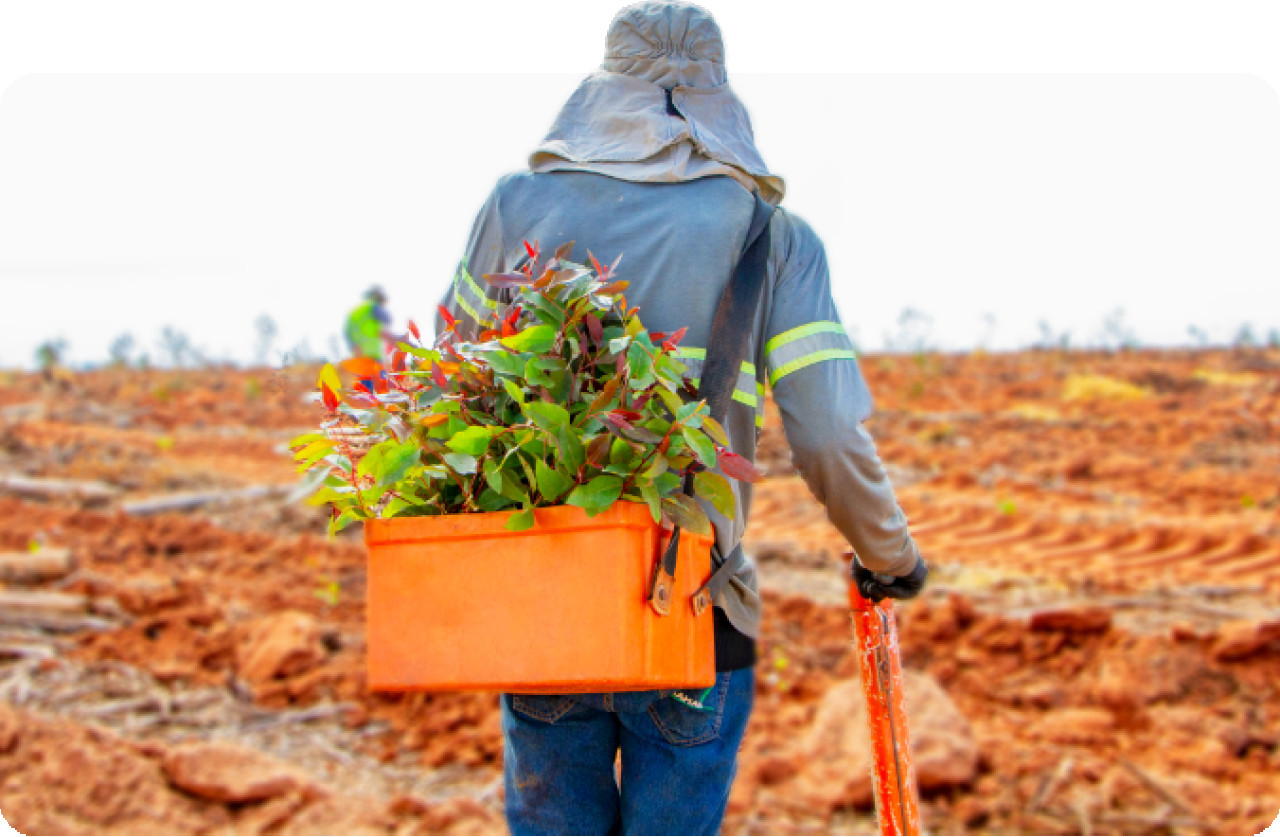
1098	652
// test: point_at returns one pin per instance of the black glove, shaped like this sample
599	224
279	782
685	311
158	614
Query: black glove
876	587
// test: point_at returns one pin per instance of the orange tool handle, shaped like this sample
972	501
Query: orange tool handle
896	796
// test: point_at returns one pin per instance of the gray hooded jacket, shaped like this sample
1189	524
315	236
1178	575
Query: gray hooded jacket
653	158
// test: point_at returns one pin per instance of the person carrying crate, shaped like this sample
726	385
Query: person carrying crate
653	156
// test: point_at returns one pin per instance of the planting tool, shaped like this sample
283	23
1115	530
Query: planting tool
893	777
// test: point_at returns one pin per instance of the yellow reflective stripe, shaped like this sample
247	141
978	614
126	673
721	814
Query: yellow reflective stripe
738	395
475	288
462	303
808	360
821	327
701	354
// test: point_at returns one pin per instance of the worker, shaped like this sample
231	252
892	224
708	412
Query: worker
367	329
653	157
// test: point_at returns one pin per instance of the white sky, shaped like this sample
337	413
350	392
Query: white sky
1030	192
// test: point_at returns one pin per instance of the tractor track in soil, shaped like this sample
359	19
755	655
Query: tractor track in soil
1159	510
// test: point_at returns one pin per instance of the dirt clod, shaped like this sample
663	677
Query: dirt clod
226	773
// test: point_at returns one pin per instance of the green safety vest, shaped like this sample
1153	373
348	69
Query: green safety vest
364	332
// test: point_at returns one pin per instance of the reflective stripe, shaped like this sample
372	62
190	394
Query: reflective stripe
738	395
745	388
791	335
809	360
692	353
806	345
470	297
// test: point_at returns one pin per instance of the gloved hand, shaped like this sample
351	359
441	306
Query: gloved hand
876	587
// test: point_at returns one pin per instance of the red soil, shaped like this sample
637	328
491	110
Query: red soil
1101	611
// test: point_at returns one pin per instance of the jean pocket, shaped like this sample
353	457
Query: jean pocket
687	717
545	708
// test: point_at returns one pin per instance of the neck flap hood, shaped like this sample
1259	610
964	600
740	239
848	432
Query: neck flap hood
659	108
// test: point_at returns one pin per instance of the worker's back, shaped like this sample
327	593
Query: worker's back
679	243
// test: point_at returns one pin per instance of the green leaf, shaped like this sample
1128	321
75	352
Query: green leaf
463	463
548	416
656	467
572	454
688	413
673	401
536	338
343	520
641	434
700	445
685	512
517	394
312	453
716	490
491	500
396	462
306	439
536	374
650	495
667	483
521	520
372	458
597	495
473	440
641	363
713	429
542	308
505	363
551	483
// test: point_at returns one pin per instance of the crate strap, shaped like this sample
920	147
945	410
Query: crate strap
730	332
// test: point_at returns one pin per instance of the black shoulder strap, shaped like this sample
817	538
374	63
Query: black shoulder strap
726	349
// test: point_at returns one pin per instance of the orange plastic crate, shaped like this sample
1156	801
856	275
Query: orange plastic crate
460	603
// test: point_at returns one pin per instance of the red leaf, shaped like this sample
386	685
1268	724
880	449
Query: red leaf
507	280
489	334
437	375
657	336
595	265
508	329
532	250
629	415
330	400
670	343
594	328
618	418
738	467
563	251
397	360
598	449
449	320
413	329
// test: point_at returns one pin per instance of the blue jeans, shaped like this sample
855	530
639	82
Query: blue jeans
679	756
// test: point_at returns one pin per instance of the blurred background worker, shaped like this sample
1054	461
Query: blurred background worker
367	327
653	157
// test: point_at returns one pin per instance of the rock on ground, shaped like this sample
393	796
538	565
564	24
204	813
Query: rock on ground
226	773
1241	640
279	645
834	760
